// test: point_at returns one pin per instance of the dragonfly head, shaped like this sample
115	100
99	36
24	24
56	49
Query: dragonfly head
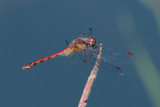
92	41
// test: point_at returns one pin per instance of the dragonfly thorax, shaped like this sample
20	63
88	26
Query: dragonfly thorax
92	41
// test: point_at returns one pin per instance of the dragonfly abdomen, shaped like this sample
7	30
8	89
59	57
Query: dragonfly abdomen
63	52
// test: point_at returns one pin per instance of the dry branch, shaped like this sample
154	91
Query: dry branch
90	81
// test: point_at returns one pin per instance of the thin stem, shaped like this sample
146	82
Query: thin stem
90	81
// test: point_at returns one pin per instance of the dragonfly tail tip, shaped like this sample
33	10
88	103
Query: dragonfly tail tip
25	67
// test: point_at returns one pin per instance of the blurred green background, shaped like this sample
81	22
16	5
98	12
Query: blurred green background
31	29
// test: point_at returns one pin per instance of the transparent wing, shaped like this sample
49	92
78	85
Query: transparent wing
86	34
115	56
104	66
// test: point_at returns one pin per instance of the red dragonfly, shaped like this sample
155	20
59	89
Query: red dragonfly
86	43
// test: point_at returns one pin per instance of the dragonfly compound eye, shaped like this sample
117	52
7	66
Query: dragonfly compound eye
92	41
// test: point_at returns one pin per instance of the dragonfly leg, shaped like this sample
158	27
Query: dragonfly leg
97	48
90	51
84	61
95	51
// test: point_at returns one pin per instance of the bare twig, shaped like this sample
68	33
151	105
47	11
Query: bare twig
90	81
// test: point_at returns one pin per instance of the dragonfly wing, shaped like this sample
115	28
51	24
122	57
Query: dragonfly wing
113	69
115	56
86	34
104	66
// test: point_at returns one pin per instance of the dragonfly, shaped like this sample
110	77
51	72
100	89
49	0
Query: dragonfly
86	45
